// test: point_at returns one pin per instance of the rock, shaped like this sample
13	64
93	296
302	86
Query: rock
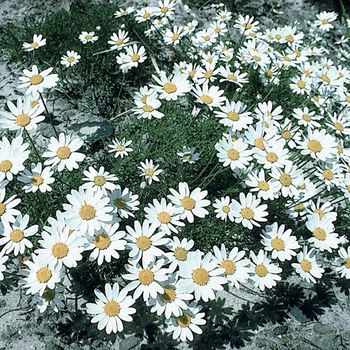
324	328
129	343
296	312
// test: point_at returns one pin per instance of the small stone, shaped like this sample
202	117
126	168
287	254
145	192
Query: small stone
324	328
129	343
279	330
297	313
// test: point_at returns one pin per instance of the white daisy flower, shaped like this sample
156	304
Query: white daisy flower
111	308
37	42
146	279
188	323
201	276
53	298
189	204
144	243
3	259
279	241
120	147
265	273
87	210
163	215
105	243
8	213
88	37
37	82
210	96
70	59
236	268
223	209
123	202
150	171
62	152
343	270
60	247
118	40
37	178
266	189
188	155
15	235
99	180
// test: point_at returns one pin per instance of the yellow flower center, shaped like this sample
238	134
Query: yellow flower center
102	241
120	203
289	38
319	233
229	266
259	142
286	134
143	243
146	15
119	41
339	126
43	274
87	211
34	103
36	79
88	37
180	253
256	58
99	180
319	212
285	179
63	152
34	45
207	99
71	59
278	36
206	38
164	9
277	243
5	165
2	208
272	157
231	77
325	78
148	108
314	146
306	265
208	74
175	37
184	320
301	84
324	21
286	58
111	308
135	57
169	294
247	213
149	172
327	174
347	263
233	116
188	203
261	270
226	209
263	186
36	180
306	117
146	277
164	217
200	276
16	235
187	156
299	207
233	154
60	250
169	88
22	120
120	148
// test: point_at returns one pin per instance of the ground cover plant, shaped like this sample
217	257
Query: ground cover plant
228	168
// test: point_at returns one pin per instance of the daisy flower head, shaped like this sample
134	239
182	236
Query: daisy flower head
173	36
248	211
236	268
189	204
118	41
111	308
53	298
37	276
3	259
210	96
307	266
88	37
305	117
146	279
144	14
38	41
70	59
246	24
144	243
163	215
264	273
279	241
172	87
319	145
15	236
120	147
201	276
37	178
37	82
223	209
188	323
105	243
148	109
124	12
62	152
265	189
60	248
23	116
324	20
133	56
179	251
173	301
123	202
12	157
87	210
150	171
8	212
234	153
99	180
344	259
323	235
188	155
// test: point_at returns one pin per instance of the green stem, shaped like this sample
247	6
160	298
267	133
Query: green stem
48	114
33	145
